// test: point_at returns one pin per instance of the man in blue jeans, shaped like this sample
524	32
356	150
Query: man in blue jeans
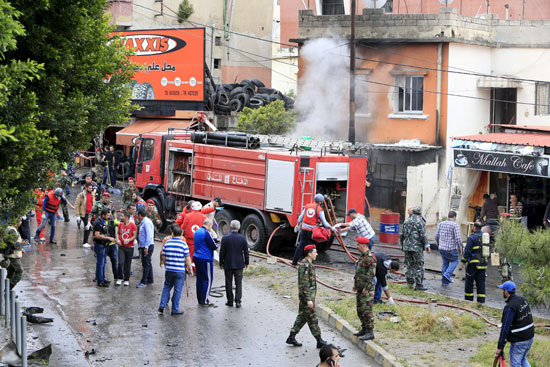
146	246
517	326
447	236
101	239
175	257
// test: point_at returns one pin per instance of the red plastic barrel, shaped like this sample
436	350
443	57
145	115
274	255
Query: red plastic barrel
389	228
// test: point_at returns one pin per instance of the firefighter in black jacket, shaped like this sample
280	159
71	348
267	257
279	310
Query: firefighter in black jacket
477	264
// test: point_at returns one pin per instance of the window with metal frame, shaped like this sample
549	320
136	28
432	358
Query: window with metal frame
333	7
147	150
410	93
542	98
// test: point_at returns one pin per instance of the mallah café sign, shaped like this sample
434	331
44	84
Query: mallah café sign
501	162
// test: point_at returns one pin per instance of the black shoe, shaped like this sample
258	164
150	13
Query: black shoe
420	287
107	281
135	257
321	343
53	243
292	341
229	304
206	304
238	305
177	313
367	336
67	220
360	332
294	264
161	310
103	285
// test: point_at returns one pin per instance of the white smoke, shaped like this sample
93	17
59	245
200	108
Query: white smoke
323	97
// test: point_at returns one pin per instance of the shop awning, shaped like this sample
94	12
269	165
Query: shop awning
538	140
142	126
496	82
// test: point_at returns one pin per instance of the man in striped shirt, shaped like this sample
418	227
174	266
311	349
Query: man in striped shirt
175	257
449	240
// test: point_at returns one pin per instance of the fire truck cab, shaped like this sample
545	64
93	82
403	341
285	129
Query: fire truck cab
262	188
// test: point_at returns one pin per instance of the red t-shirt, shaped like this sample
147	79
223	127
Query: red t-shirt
125	232
89	202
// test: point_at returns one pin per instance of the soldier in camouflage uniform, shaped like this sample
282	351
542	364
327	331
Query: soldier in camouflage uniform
99	166
363	285
63	181
307	288
13	252
99	205
414	241
153	214
128	192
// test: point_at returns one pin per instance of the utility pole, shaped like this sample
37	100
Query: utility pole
351	133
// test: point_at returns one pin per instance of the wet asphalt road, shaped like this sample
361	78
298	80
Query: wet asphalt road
123	326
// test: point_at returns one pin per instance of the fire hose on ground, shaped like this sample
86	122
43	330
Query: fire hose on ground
341	242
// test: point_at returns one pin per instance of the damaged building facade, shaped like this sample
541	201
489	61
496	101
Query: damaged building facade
435	82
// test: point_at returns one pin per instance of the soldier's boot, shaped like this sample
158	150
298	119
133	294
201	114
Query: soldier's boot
292	341
369	335
320	342
361	332
420	287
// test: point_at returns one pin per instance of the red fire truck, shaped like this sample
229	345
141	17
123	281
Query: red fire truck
263	188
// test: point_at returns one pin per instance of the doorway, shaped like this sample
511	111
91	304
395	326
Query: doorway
503	105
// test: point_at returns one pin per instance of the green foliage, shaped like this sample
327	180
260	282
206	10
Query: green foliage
532	250
55	57
185	10
270	119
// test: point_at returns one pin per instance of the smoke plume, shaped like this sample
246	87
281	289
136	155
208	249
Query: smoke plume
323	97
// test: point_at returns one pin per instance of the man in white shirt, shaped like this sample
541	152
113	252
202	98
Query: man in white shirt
359	224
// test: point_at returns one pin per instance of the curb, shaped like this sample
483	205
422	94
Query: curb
382	357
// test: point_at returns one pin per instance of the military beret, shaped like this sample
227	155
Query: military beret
417	210
131	179
105	193
150	201
309	247
363	240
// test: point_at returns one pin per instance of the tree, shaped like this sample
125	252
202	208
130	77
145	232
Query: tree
532	250
75	97
55	56
185	10
269	119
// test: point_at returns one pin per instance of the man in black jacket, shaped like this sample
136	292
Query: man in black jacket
233	259
517	326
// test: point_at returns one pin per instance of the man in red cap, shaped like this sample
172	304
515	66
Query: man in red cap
105	202
193	221
307	289
153	214
363	285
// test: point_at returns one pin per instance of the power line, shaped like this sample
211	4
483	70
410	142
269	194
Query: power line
219	29
451	94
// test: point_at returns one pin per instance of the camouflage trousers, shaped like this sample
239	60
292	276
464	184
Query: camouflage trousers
65	210
414	261
306	314
15	270
364	310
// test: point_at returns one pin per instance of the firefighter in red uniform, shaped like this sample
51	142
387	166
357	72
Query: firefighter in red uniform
183	214
39	195
192	222
49	208
312	215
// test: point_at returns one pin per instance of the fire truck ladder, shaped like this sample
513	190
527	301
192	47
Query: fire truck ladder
308	177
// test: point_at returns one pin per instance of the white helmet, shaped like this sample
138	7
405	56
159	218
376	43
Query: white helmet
196	206
58	192
319	198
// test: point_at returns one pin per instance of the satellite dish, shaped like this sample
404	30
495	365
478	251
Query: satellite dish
372	4
446	2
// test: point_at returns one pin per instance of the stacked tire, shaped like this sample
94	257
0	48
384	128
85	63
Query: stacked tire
227	98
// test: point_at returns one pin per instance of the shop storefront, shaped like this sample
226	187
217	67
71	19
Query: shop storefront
506	164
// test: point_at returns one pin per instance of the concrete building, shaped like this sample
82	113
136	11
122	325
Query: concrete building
435	77
238	33
284	75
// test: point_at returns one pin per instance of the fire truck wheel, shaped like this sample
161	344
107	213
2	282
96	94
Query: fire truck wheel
224	218
254	230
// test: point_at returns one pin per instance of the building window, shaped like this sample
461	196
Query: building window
410	93
218	41
217	63
333	7
388	7
542	97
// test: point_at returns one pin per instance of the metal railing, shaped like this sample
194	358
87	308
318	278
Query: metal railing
10	308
